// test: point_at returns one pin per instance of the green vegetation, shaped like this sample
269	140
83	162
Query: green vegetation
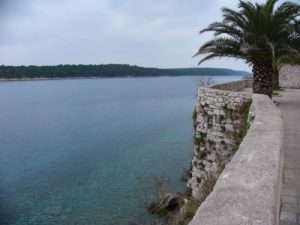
208	185
200	140
228	112
277	92
188	192
105	71
234	150
259	34
243	126
190	207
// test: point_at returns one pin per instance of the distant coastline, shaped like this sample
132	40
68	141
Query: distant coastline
24	73
89	78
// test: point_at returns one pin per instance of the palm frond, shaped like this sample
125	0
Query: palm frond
233	17
257	33
270	4
220	47
216	55
222	28
287	11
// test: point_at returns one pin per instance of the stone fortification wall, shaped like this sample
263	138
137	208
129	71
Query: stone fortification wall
217	117
289	76
248	190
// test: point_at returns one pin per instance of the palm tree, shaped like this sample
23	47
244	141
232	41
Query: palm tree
257	34
286	18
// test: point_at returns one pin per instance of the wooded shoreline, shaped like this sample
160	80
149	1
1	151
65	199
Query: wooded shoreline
9	73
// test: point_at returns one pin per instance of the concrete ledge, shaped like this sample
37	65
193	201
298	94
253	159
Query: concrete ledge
234	85
248	190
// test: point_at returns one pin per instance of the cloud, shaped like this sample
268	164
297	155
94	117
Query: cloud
148	33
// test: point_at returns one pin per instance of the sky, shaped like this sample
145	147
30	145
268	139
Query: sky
150	33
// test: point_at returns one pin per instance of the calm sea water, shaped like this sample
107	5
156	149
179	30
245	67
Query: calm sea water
82	151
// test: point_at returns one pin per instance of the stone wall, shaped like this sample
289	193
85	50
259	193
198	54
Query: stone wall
248	190
217	117
289	76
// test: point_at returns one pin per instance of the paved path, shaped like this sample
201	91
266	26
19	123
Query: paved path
289	105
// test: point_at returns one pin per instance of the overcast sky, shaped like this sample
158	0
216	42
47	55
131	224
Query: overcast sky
152	33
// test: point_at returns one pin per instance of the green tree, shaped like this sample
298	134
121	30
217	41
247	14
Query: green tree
259	34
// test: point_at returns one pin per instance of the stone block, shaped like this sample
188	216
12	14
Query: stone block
219	105
222	112
212	156
216	112
229	127
220	100
238	100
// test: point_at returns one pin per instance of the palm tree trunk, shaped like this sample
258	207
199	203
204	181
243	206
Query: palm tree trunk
275	78
262	78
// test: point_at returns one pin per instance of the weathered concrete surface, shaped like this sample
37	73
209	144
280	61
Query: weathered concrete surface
289	104
248	190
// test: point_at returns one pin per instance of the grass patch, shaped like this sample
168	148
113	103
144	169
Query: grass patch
234	150
188	192
228	112
208	185
276	92
190	208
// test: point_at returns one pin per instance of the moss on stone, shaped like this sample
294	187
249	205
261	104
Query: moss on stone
243	126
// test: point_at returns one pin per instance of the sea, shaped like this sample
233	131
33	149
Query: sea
93	151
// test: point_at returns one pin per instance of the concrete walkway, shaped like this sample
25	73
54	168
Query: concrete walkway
289	105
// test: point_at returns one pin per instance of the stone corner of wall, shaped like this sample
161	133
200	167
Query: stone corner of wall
248	190
217	122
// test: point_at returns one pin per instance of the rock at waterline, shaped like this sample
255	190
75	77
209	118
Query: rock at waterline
169	202
186	175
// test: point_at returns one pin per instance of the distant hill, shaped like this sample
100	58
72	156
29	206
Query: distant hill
106	71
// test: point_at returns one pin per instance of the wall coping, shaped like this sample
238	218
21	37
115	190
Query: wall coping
248	190
233	85
229	88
